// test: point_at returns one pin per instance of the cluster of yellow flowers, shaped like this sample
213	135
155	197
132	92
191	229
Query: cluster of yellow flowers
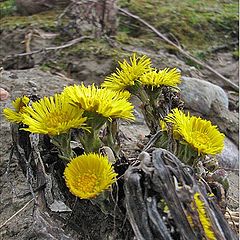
140	71
90	107
56	115
59	113
198	133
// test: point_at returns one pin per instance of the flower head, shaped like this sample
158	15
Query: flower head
52	116
88	175
164	77
105	102
128	73
16	115
199	133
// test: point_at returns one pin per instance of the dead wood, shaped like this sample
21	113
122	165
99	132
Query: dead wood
95	16
159	193
224	79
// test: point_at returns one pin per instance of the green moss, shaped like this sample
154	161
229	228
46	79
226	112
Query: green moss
7	8
92	47
60	65
97	49
45	20
196	24
235	54
45	67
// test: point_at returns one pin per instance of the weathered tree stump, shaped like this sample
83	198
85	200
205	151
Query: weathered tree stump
161	201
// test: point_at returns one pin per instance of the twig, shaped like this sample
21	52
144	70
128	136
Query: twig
68	44
226	80
28	38
16	213
153	140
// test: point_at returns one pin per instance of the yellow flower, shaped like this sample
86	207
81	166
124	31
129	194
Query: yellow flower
128	73
19	104
197	132
105	102
88	175
164	77
163	125
52	116
204	219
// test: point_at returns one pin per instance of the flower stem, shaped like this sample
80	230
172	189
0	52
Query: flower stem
91	141
111	136
148	111
62	142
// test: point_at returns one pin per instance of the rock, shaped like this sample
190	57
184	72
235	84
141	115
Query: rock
12	42
229	157
19	82
133	135
227	121
200	95
18	62
4	95
29	7
89	70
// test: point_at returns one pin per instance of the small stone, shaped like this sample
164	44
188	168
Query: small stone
32	84
29	7
4	95
59	206
229	158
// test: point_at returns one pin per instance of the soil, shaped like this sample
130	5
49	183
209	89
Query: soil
89	62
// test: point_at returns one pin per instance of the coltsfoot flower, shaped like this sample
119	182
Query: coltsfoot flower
102	101
199	133
19	105
128	73
53	116
165	77
88	175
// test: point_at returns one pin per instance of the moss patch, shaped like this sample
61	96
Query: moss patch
44	20
7	8
196	24
92	47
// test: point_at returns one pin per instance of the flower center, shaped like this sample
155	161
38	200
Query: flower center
200	138
55	118
87	182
